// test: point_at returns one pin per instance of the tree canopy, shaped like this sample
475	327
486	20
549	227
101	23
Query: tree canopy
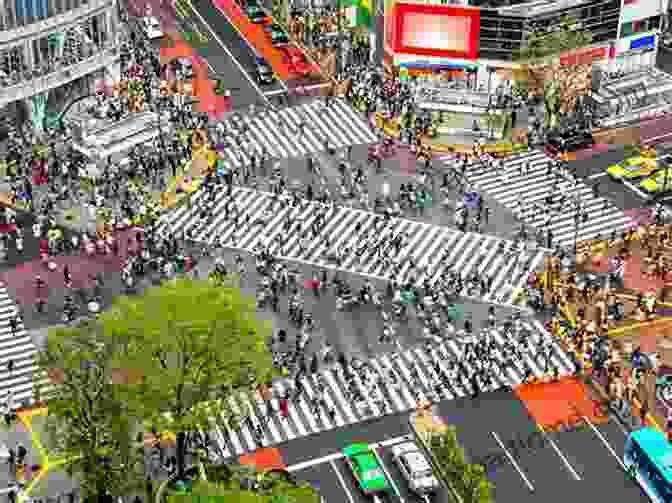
469	480
193	342
270	487
545	43
87	423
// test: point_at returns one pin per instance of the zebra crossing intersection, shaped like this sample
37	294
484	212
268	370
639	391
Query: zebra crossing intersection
524	191
18	385
294	132
395	383
471	254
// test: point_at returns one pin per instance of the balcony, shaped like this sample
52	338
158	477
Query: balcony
45	26
57	78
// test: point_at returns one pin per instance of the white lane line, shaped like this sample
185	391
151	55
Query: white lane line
635	189
557	450
513	462
341	481
337	455
228	53
277	91
597	175
389	477
605	442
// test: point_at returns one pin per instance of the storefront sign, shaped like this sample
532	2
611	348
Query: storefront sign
625	44
585	56
641	9
643	42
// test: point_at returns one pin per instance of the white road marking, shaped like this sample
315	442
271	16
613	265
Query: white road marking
341	481
513	462
635	189
560	454
228	52
337	455
604	441
389	477
597	175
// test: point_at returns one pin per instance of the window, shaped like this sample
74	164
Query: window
627	29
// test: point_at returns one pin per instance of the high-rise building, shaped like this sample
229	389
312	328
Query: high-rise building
52	51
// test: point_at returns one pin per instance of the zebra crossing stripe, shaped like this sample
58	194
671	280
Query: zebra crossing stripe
403	397
279	134
524	192
263	222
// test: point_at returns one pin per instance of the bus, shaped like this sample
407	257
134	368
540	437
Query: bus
648	458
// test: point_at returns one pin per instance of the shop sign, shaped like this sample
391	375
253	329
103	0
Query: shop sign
585	56
643	42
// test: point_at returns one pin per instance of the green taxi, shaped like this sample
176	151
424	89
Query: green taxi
366	468
657	182
635	167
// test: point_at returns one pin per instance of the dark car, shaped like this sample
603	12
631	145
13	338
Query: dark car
571	142
263	72
278	35
255	13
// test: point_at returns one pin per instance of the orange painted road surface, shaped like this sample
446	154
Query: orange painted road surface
255	35
563	402
203	88
264	459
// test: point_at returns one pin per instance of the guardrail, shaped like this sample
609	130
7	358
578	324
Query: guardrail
59	77
34	30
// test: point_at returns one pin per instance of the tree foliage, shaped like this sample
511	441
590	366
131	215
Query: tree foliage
546	43
270	487
469	480
195	343
87	422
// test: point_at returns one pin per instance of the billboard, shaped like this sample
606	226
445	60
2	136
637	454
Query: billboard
636	10
434	30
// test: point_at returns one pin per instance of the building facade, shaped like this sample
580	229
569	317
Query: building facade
434	37
52	51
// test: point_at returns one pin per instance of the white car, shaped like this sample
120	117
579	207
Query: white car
415	468
152	27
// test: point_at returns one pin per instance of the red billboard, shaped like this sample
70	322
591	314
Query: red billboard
436	30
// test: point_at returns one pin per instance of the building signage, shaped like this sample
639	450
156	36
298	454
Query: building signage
643	42
640	41
585	56
641	9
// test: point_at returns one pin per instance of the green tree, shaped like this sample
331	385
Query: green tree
467	479
196	344
87	421
543	44
269	487
542	47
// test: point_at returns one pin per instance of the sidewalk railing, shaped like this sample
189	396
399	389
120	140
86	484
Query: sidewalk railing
59	77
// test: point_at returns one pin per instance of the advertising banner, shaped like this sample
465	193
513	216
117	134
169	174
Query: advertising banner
436	30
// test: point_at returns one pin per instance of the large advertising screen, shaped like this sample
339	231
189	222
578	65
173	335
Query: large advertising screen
433	30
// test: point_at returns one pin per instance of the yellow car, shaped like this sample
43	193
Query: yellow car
658	182
635	167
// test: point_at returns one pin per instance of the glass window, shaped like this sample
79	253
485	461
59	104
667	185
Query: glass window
627	29
654	23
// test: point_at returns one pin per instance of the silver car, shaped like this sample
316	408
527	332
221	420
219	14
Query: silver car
415	468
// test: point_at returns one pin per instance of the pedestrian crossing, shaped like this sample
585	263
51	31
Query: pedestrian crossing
17	386
391	383
263	217
524	191
293	132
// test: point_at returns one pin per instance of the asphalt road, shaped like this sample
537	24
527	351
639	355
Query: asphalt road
224	44
572	466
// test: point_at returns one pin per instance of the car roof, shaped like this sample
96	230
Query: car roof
366	461
416	461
